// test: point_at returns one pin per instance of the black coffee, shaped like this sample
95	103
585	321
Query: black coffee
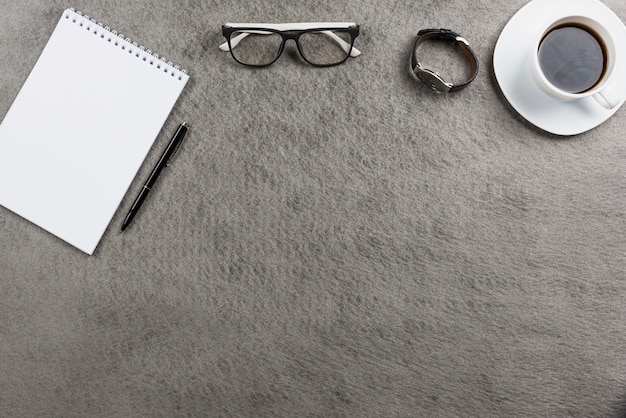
572	58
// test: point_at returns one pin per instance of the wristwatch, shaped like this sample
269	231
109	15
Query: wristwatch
431	78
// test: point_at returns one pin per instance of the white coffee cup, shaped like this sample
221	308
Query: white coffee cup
601	90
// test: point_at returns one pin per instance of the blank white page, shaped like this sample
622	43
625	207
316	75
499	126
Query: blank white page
80	128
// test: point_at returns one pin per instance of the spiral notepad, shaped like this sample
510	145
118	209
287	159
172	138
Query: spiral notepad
81	126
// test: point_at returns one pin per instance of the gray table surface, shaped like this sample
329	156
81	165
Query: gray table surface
329	242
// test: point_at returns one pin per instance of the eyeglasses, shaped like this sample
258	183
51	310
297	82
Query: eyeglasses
319	44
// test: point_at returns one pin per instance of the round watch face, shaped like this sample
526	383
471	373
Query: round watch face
433	80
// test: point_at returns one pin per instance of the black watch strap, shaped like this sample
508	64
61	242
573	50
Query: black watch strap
461	44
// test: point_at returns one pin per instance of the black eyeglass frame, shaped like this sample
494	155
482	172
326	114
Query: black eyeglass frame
294	34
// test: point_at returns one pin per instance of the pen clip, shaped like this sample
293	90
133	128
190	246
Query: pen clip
177	145
175	152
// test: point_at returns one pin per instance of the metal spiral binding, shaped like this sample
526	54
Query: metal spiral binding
126	44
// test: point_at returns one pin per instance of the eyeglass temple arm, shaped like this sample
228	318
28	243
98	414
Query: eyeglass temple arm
353	51
345	45
235	41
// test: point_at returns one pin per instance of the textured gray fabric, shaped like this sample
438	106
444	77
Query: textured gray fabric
329	242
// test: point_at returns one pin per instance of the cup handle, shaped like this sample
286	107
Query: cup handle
607	99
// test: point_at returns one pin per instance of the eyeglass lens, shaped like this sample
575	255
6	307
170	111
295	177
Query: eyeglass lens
325	47
255	47
259	47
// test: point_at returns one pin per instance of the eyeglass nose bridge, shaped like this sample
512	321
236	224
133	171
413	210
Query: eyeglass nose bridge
292	35
287	35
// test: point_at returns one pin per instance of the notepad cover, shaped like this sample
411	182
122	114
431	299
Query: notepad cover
80	128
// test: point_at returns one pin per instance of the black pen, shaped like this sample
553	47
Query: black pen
171	149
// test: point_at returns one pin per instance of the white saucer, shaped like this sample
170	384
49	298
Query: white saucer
512	66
